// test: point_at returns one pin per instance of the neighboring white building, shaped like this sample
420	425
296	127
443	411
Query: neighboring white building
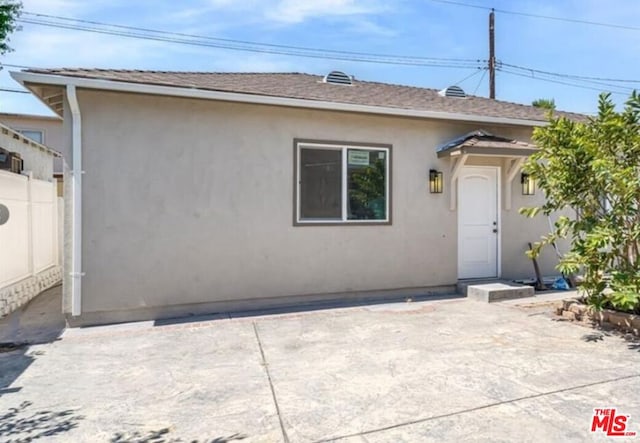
43	129
30	218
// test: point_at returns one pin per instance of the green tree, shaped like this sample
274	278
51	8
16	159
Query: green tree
9	13
545	103
593	168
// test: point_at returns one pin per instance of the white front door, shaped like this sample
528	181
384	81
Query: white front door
478	222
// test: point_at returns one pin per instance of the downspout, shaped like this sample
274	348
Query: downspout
76	223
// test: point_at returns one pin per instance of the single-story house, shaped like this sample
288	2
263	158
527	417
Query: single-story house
198	192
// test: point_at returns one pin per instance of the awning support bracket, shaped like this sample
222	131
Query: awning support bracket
512	166
456	167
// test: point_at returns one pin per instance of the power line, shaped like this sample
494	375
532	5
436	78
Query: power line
567	78
577	81
242	42
584	82
345	57
546	17
572	76
469	76
469	5
239	45
507	71
17	91
16	66
479	82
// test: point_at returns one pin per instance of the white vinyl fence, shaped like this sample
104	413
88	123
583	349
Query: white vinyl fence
29	259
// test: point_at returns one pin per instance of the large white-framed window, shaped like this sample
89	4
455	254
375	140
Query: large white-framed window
342	183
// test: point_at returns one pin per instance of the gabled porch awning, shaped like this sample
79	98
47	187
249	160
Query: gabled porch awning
482	143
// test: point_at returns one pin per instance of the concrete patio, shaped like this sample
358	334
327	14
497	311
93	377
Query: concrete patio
39	321
453	370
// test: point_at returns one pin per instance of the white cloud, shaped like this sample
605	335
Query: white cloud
371	28
67	8
285	11
47	47
224	3
50	6
296	11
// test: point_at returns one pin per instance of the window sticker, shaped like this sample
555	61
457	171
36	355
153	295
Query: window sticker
358	158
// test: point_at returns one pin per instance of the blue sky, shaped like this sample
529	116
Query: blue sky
407	27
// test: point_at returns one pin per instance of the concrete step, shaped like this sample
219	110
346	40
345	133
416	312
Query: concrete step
494	290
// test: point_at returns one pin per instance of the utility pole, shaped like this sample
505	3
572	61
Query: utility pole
492	56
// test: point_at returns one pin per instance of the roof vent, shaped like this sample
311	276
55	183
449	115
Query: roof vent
338	78
453	91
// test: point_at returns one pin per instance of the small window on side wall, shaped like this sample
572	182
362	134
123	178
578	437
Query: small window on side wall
36	136
342	183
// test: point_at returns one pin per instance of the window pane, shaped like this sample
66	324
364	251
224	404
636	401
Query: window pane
366	174
36	136
320	184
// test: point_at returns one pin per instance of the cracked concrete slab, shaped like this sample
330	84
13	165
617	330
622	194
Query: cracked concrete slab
453	370
350	373
555	417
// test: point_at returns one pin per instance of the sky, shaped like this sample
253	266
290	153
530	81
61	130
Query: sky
424	28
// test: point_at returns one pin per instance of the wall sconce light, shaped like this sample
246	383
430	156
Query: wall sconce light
528	184
435	181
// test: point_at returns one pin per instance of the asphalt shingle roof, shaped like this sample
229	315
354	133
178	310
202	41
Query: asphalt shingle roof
482	138
311	87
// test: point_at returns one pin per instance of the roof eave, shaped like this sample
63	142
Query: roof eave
26	78
25	84
487	151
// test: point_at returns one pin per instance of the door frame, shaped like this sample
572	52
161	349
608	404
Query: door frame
498	170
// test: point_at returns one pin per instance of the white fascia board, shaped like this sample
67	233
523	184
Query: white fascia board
42	100
174	91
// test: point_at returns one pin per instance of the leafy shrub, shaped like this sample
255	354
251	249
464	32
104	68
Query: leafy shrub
592	167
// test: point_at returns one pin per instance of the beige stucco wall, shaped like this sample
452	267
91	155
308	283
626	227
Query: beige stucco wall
190	201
